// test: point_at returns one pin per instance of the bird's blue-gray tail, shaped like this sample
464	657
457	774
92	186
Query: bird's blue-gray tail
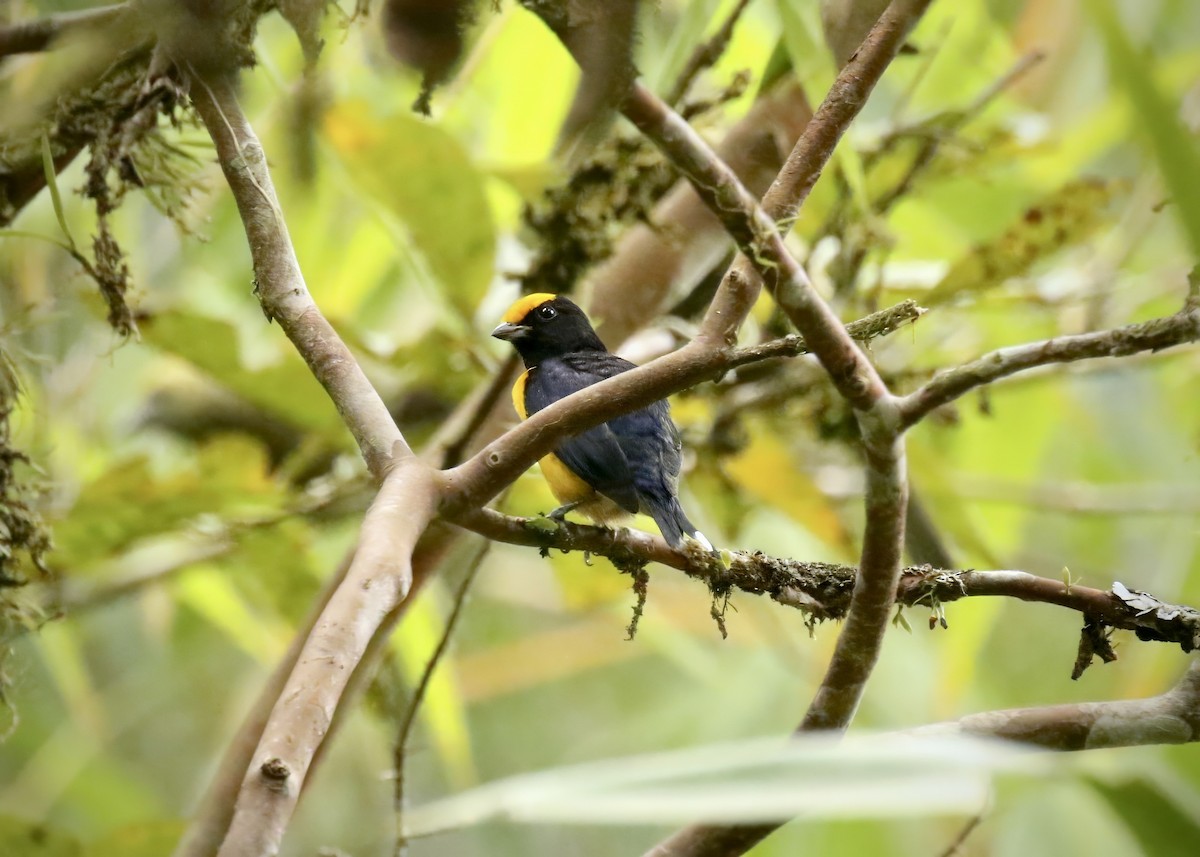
673	523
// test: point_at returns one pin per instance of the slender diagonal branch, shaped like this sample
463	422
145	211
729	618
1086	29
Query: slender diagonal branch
409	718
1169	718
38	35
705	54
846	98
280	285
375	585
1155	335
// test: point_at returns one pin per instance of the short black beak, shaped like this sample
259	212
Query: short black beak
510	332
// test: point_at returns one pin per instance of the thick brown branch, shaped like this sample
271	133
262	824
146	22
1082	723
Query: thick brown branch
280	284
1170	718
823	590
842	104
377	582
380	575
1183	327
764	256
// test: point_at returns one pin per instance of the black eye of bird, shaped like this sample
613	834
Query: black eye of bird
547	312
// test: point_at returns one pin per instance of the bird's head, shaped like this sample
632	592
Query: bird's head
545	325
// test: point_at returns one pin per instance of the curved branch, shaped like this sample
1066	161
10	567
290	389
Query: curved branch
1169	718
376	583
380	575
823	590
1155	335
280	285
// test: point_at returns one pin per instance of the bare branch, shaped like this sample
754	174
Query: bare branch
1170	718
479	479
27	37
1155	335
498	464
705	55
280	284
377	582
211	819
380	575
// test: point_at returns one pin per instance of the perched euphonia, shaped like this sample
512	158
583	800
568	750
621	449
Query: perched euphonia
627	465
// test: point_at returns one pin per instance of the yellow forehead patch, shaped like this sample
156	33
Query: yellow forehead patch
521	308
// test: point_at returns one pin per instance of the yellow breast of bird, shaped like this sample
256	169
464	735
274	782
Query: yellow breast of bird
565	485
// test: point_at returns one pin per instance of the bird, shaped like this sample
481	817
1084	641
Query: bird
627	465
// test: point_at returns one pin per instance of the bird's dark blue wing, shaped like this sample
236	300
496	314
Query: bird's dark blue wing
633	459
596	456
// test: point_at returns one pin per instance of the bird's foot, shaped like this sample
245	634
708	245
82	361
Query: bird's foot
560	513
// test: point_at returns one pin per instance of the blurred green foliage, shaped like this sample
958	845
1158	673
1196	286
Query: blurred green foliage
191	538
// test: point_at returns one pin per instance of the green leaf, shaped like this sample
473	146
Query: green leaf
425	178
1163	825
1175	149
859	777
52	186
286	389
130	501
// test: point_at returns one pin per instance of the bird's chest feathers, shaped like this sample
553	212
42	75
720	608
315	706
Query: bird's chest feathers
565	485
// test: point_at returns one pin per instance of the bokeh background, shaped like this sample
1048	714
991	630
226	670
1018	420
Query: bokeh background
200	487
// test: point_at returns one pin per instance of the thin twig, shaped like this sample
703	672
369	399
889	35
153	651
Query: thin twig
865	329
400	753
957	843
461	428
705	55
26	37
1154	335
